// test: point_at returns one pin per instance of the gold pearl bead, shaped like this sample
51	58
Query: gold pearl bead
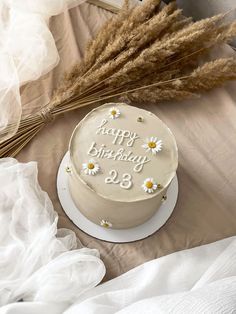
68	169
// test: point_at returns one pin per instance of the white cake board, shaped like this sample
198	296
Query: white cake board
112	235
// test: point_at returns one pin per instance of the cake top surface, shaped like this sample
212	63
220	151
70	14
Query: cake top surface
123	153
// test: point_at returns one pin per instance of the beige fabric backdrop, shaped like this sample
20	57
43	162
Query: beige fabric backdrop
205	130
204	8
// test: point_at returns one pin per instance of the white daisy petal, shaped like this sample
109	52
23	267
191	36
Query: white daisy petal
149	185
152	144
114	113
105	223
91	167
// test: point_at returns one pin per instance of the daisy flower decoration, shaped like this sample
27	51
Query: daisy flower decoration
91	167
149	185
114	113
153	145
105	223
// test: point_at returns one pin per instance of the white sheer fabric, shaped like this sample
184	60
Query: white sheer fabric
199	280
38	262
27	51
43	267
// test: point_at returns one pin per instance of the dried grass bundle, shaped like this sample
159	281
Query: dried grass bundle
144	54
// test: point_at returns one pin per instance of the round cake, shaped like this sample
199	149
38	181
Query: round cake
123	160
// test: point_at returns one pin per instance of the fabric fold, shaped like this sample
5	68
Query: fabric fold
188	281
27	51
43	268
37	261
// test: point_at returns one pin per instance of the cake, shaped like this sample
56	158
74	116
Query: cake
122	161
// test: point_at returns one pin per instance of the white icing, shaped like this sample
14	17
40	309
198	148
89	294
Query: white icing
119	135
112	179
126	182
120	155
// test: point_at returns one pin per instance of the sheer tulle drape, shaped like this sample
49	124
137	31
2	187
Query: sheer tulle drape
27	51
38	262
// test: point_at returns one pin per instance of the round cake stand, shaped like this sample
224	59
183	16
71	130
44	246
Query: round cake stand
112	235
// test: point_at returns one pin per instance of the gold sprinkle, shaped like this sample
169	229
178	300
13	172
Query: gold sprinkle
159	186
68	169
140	119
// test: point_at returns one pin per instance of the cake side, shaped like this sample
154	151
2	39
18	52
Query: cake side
112	214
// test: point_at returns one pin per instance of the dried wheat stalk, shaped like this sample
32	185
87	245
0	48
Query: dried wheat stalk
144	54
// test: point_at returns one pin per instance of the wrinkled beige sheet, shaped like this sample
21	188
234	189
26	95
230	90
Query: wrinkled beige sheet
205	130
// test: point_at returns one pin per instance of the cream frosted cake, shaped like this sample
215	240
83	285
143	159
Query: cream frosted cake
123	160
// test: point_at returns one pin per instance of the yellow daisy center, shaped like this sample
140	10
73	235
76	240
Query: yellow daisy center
149	184
90	165
152	144
113	112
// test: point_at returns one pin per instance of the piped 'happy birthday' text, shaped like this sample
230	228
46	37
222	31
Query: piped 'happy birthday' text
120	137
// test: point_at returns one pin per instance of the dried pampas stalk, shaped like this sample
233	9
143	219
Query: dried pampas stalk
144	54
